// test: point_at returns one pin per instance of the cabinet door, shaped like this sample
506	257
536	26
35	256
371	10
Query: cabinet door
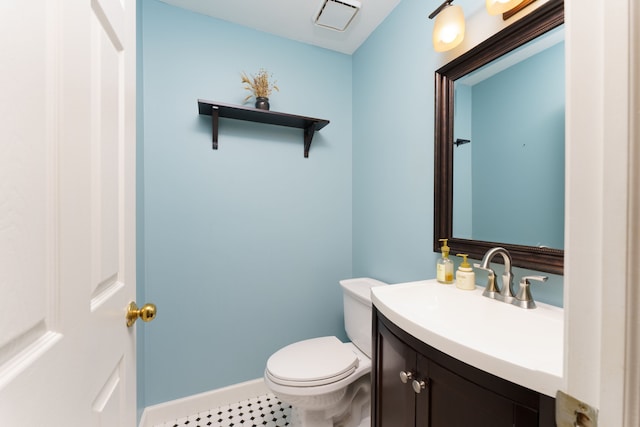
455	394
395	400
457	402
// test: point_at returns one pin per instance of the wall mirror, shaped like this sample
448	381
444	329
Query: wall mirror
499	144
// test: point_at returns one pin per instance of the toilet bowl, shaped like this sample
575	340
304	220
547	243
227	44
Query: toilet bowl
327	382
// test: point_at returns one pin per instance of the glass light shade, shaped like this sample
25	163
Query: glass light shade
496	7
448	30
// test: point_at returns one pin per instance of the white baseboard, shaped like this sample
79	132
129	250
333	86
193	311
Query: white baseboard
202	402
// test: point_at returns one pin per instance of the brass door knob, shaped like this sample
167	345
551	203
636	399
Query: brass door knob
147	313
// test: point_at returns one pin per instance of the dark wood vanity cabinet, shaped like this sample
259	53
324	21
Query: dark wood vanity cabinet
451	393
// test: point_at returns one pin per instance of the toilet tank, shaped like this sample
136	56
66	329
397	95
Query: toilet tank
357	310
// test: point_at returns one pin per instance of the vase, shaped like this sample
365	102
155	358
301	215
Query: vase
262	103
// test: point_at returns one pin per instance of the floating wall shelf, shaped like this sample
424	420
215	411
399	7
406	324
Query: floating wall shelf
217	110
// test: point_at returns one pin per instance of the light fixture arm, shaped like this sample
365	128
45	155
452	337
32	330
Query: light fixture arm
439	9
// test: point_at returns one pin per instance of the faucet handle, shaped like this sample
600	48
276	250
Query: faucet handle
523	297
491	289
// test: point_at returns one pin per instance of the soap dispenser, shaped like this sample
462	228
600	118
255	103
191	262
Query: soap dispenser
465	276
444	267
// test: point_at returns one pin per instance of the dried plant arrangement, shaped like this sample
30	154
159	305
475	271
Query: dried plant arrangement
259	85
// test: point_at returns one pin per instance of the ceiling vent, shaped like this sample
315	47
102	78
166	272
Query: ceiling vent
336	14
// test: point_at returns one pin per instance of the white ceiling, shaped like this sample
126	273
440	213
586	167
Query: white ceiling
292	19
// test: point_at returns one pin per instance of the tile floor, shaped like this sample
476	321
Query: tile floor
261	411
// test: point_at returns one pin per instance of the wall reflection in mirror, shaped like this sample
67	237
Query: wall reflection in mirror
508	182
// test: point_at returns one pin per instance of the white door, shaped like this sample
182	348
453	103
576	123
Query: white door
67	212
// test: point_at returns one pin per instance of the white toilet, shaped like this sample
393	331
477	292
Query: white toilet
326	381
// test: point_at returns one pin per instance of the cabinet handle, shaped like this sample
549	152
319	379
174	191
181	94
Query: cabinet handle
406	376
418	386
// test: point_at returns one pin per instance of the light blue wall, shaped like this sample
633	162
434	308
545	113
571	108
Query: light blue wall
243	246
531	136
462	164
393	116
393	149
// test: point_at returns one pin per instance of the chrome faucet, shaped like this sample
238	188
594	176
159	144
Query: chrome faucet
524	298
504	293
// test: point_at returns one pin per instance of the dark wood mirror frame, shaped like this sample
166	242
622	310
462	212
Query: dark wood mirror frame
536	23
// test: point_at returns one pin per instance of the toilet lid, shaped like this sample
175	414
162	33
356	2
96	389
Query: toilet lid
312	362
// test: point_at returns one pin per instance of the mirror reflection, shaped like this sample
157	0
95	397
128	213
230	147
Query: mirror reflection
508	180
500	193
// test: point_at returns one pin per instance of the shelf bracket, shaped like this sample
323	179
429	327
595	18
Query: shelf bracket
308	136
214	127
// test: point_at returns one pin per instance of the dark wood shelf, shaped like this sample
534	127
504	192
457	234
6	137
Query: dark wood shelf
217	110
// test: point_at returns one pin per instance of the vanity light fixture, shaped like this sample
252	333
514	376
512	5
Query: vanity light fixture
448	30
496	7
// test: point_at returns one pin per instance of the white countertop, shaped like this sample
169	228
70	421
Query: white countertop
524	346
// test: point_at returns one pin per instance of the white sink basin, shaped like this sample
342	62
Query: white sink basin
522	346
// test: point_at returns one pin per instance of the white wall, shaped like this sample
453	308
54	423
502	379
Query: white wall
598	228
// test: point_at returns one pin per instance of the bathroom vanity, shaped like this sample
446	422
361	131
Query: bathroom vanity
445	357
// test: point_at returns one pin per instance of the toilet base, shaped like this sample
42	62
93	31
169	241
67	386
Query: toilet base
352	410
